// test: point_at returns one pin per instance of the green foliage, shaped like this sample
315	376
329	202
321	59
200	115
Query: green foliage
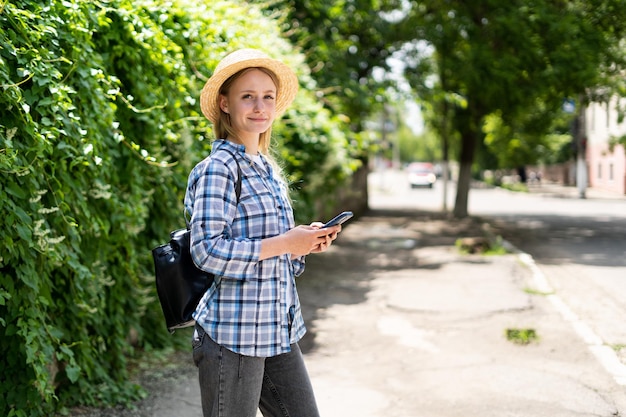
514	148
541	135
76	199
99	129
425	146
343	42
316	155
620	140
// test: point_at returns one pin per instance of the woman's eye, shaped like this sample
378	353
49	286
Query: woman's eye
269	97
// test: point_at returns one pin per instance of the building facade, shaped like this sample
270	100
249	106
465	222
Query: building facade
606	167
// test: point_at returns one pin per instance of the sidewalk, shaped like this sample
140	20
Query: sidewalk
563	191
401	324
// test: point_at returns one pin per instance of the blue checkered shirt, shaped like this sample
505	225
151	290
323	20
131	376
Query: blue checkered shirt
246	308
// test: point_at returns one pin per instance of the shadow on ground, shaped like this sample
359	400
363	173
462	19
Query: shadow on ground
380	240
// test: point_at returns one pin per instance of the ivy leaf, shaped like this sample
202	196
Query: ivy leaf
28	276
73	372
22	215
15	190
4	296
24	232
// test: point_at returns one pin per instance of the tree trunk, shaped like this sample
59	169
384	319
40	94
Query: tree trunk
462	189
467	126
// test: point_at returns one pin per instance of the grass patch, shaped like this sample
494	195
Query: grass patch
536	292
516	186
521	336
497	248
481	245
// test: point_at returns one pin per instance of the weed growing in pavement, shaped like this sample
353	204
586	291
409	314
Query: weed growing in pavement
618	348
521	336
536	292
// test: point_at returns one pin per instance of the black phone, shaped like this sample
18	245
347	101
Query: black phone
338	219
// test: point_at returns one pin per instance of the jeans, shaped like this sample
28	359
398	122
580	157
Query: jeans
233	385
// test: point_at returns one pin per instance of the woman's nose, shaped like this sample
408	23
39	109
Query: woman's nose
258	104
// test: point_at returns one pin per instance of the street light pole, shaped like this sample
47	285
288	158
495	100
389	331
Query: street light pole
579	135
581	150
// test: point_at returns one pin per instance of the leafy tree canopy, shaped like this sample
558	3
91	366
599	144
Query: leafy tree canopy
344	43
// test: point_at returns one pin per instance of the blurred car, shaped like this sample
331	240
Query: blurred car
421	174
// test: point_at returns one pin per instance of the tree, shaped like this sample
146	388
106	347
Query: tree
504	57
344	42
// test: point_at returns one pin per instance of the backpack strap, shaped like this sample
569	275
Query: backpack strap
238	182
237	189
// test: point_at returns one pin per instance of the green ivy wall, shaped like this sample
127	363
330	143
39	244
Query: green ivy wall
99	127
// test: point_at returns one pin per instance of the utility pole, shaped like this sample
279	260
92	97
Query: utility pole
580	136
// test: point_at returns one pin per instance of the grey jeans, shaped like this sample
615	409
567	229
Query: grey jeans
233	385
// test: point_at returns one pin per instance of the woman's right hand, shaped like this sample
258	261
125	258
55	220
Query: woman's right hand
299	241
306	239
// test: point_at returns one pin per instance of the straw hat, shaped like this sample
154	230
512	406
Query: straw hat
235	62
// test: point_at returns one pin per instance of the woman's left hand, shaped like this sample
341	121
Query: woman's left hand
332	235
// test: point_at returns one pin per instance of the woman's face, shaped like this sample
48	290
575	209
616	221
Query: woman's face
251	104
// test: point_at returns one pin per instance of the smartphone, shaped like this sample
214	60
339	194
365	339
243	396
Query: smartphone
338	219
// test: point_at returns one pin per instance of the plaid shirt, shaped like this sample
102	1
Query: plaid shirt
246	308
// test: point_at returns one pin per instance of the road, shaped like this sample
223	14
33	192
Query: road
579	245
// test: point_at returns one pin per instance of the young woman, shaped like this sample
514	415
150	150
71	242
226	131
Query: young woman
249	322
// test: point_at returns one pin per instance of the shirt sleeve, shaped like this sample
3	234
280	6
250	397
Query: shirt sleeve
211	191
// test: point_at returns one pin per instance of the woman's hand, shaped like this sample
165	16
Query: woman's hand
312	239
331	235
299	241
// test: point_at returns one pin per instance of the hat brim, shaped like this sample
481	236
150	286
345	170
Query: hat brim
287	79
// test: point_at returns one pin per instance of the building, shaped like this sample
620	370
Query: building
606	167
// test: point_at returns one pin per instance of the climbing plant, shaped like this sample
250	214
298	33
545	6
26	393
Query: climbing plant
99	128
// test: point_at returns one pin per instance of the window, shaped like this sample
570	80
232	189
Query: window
599	170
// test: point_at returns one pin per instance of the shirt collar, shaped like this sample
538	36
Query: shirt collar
228	145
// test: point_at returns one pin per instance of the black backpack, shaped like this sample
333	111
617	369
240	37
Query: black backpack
180	283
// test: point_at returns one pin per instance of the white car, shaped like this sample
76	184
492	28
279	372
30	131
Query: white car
421	174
